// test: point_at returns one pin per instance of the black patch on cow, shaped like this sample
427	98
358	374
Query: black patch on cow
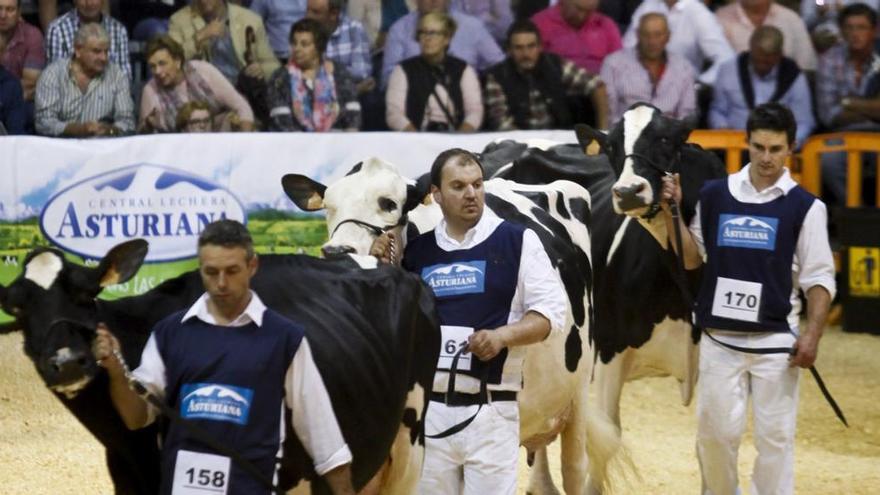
573	349
411	420
561	210
537	197
355	169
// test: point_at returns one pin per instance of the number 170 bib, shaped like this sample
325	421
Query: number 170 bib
737	299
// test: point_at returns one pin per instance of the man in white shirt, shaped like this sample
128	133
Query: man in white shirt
762	238
215	363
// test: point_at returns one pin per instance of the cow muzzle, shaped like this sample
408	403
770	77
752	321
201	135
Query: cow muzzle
632	197
69	371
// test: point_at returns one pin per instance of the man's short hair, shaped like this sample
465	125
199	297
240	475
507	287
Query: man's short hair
522	26
456	156
319	34
165	42
229	234
772	117
186	110
88	31
652	15
769	39
447	20
857	9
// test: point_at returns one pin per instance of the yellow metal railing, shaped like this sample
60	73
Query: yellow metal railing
854	144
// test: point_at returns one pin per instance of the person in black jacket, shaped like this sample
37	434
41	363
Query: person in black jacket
531	89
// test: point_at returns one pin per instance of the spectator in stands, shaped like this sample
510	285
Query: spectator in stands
378	16
60	36
434	91
848	90
758	76
471	41
278	16
650	73
496	15
621	11
576	31
531	89
740	19
312	94
695	34
195	116
12	109
347	43
821	20
21	47
176	81
85	95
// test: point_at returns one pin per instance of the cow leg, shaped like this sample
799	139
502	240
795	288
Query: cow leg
692	371
608	384
573	453
540	481
401	472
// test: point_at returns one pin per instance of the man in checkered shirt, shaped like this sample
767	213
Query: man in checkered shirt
59	37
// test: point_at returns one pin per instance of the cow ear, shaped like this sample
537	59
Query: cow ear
305	193
122	262
417	194
592	141
684	129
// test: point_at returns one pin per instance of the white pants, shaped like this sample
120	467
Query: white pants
481	459
727	379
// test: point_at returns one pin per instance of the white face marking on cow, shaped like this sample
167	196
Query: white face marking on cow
357	197
634	123
43	269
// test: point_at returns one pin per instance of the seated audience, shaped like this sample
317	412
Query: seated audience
695	34
195	116
575	30
176	81
12	109
233	39
471	42
85	95
497	16
434	91
821	19
61	32
312	94
740	19
621	11
650	73
377	17
21	47
848	90
278	16
531	89
347	43
758	76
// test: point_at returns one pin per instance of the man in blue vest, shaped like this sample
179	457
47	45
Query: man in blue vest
762	239
496	293
228	364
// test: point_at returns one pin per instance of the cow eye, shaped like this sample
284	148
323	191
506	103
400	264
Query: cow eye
387	204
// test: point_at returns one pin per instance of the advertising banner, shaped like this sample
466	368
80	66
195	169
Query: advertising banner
85	196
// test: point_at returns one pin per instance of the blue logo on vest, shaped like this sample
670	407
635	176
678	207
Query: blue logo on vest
217	402
747	231
464	277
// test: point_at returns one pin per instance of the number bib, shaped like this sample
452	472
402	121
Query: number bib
196	473
737	299
454	338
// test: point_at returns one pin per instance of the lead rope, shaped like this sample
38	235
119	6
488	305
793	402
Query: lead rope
193	429
681	281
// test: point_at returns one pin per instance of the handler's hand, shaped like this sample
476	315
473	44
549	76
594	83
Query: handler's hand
671	191
385	248
103	346
805	351
486	344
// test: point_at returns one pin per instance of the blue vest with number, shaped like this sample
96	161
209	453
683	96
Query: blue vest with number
751	243
230	382
473	287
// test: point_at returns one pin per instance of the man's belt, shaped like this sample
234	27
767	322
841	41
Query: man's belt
457	399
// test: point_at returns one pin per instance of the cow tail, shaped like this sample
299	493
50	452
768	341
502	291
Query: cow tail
609	458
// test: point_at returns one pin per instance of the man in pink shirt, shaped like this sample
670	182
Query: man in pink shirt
24	55
573	29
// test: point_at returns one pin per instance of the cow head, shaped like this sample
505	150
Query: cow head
53	303
372	198
641	148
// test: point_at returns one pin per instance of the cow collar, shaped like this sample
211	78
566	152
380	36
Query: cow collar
375	229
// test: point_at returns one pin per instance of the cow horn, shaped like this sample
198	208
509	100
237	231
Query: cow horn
307	194
122	262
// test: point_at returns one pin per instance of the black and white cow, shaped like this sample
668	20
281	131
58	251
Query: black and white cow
374	197
371	354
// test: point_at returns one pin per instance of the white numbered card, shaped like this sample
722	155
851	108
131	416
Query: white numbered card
196	473
454	338
737	299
